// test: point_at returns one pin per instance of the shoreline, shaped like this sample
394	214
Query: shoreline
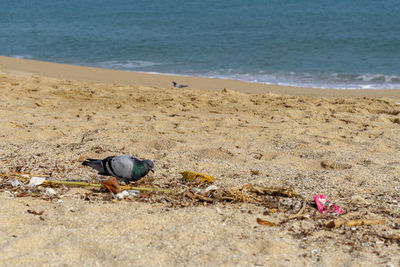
16	66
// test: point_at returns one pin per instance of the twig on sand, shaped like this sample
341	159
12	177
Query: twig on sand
124	187
301	211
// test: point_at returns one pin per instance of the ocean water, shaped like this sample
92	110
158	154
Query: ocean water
328	44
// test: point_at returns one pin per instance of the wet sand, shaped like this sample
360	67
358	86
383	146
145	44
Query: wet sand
342	143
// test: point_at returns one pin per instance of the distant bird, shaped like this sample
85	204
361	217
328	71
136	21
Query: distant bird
179	85
124	168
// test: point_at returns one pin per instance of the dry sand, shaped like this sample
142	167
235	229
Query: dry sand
344	144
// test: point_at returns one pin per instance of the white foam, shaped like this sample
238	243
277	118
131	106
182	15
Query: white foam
310	80
125	65
22	56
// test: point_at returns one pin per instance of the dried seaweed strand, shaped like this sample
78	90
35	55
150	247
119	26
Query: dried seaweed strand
301	211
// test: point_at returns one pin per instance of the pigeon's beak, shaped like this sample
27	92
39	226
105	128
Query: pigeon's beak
152	170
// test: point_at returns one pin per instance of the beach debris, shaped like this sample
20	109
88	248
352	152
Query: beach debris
81	159
35	212
127	193
393	237
111	185
123	194
35	181
210	188
274	191
123	187
352	223
205	191
256	194
328	164
359	200
45	180
195	196
197	177
301	211
269	211
325	206
179	85
197	190
265	223
124	168
14	182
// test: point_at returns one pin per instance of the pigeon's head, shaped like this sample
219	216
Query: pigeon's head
148	164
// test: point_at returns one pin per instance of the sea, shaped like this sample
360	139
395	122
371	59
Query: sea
309	43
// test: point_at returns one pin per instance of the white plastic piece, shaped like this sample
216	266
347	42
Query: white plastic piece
211	188
35	181
123	194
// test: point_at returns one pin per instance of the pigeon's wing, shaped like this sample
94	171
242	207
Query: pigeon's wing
122	166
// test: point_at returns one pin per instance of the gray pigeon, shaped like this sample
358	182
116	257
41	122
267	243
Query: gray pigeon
179	85
124	168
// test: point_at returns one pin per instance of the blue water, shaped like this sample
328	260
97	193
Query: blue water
329	44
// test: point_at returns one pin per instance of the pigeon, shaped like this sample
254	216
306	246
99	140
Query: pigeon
179	85
124	168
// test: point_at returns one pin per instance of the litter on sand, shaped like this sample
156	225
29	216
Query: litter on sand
265	223
197	177
35	181
325	206
351	223
108	184
112	185
127	193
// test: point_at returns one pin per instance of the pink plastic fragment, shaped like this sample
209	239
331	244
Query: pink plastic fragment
325	206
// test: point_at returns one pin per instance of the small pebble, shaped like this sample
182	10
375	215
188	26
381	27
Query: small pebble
315	250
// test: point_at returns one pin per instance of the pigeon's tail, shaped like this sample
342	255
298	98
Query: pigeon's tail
96	164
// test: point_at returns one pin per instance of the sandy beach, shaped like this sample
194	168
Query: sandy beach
341	143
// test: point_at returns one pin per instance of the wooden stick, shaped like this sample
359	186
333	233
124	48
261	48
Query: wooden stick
125	187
